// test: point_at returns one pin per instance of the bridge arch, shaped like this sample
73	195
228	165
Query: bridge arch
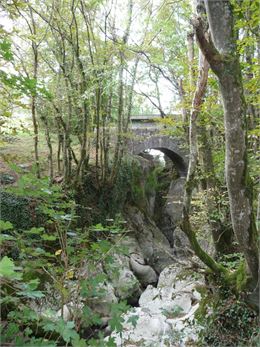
170	146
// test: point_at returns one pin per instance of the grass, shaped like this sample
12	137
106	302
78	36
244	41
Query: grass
19	149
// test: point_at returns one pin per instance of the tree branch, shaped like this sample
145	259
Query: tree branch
207	47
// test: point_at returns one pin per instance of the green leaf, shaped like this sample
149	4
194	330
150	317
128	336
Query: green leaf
66	330
38	343
173	313
133	320
8	299
116	322
90	317
47	237
6	237
34	230
28	315
7	269
5	225
111	342
28	290
79	343
11	331
31	294
49	326
5	50
28	331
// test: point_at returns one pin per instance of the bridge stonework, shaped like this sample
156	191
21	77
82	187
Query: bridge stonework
146	135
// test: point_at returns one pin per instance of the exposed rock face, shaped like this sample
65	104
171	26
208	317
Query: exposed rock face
173	205
102	304
181	244
171	216
165	314
135	262
154	246
127	286
151	257
144	273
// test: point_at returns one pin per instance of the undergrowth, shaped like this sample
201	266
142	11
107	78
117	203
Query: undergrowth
226	320
55	264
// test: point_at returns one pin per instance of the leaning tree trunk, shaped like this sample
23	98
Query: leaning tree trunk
185	225
222	57
196	105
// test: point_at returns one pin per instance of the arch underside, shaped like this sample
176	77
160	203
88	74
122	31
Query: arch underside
167	145
176	159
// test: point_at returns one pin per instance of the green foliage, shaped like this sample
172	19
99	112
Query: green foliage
129	186
5	50
24	85
42	244
5	225
8	269
101	343
151	181
136	184
173	313
232	261
48	256
116	321
20	211
239	276
64	329
133	320
226	321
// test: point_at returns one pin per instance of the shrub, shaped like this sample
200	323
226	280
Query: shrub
226	321
20	211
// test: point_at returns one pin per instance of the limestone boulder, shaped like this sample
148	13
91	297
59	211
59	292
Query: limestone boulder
126	285
154	246
150	330
165	314
145	273
102	303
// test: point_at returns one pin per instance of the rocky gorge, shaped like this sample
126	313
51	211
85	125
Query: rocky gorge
126	275
156	273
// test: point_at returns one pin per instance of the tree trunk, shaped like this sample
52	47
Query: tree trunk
49	144
196	104
223	59
221	233
186	226
34	93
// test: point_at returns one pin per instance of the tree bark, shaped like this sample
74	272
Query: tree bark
34	93
196	104
221	232
222	57
49	144
186	226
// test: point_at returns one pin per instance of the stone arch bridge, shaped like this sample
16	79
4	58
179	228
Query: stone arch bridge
146	134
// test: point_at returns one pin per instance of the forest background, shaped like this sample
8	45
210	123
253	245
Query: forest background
78	70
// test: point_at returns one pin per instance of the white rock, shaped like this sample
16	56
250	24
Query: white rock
69	310
126	285
102	304
145	273
150	329
160	324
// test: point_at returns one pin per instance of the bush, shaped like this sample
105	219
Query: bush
20	211
226	321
